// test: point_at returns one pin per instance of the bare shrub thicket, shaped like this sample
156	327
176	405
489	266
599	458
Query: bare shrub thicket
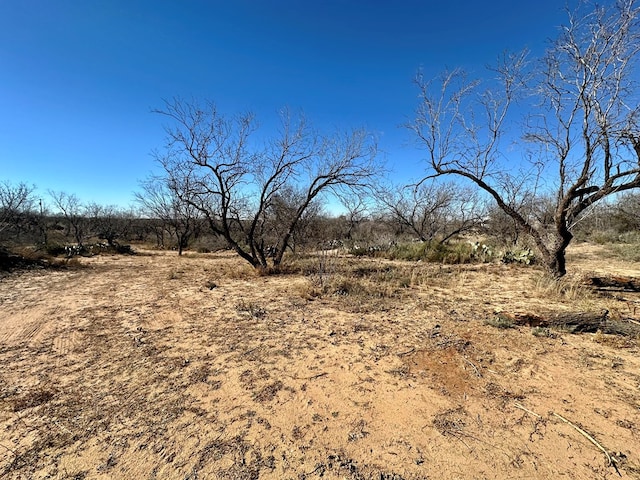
174	216
431	211
18	214
74	227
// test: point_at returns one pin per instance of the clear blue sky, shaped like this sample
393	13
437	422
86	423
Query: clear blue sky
78	78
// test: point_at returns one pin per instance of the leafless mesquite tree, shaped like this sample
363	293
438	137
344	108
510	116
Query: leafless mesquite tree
432	210
74	213
16	203
255	194
284	209
108	222
179	217
581	126
357	208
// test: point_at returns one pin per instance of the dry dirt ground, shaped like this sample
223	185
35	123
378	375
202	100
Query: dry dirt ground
194	367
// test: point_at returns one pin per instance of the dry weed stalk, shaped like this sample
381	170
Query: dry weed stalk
612	461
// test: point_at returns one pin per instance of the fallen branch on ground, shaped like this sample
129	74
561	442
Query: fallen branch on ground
517	405
631	321
619	284
475	369
402	354
312	377
612	461
578	322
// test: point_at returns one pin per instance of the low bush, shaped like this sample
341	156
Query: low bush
409	251
55	249
630	237
624	251
449	253
524	256
452	253
603	237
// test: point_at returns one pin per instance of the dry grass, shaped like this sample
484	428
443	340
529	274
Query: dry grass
569	288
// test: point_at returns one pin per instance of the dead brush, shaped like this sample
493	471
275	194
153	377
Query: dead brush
354	286
322	268
327	270
174	274
451	422
250	308
229	269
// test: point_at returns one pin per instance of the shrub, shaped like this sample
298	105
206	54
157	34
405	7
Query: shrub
125	250
626	252
630	237
603	237
371	251
451	253
55	249
524	256
359	251
408	251
542	332
252	309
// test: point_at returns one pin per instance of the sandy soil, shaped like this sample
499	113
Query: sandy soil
155	366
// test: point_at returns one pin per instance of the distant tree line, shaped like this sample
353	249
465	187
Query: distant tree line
433	214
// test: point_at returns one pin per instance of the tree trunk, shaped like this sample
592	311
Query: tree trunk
555	259
181	244
557	264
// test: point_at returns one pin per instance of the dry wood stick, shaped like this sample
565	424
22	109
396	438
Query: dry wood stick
517	405
632	321
251	350
402	354
612	461
312	377
478	374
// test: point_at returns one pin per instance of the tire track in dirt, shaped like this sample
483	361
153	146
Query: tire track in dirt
64	344
27	327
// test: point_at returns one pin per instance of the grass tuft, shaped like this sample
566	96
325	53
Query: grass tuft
564	288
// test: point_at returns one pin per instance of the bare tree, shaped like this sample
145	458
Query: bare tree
73	211
179	217
357	207
107	222
16	205
281	213
239	185
582	124
626	212
431	210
